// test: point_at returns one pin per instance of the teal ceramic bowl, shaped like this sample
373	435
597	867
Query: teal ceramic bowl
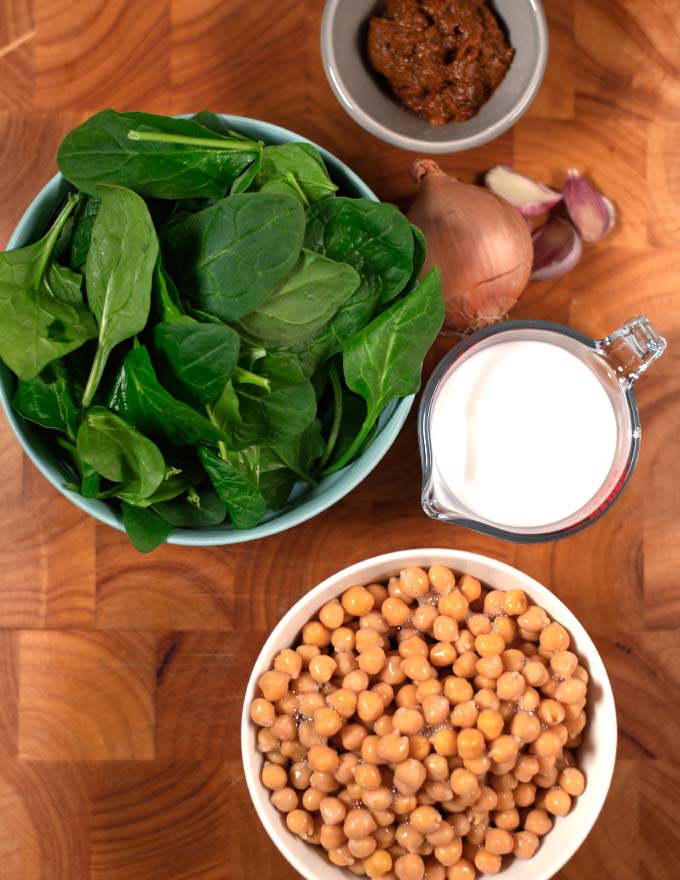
304	503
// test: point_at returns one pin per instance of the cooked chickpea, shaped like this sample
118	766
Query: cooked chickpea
465	664
529	700
488	862
488	644
357	601
557	802
564	663
464	715
455	605
327	722
300	822
285	728
409	867
506	628
361	849
352	736
510	686
535	673
324	782
442	654
414	582
572	781
332	614
525	727
407	720
457	690
503	749
533	620
490	723
332	810
525	844
505	800
423	617
392	748
498	841
546	744
369	706
285	800
465	784
372	660
273	776
306	652
538	822
491	667
436	709
288	662
571	690
262	712
378	864
445	742
525	794
462	870
470	587
442	579
448	854
395	611
487	800
409	776
515	602
417	668
316	634
323	758
487	698
358	823
554	637
322	668
273	684
508	820
266	741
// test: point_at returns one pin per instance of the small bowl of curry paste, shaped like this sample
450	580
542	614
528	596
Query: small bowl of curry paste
435	76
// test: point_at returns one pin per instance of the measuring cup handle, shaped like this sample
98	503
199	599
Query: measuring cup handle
632	348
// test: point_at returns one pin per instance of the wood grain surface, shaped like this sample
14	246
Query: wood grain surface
121	675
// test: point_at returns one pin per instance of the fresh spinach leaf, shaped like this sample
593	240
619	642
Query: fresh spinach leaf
36	326
64	284
373	237
419	254
303	163
199	507
308	298
167	306
145	528
139	398
274	480
300	453
156	156
174	483
196	359
118	273
268	418
384	360
82	230
245	179
119	452
243	500
47	400
355	314
229	258
224	413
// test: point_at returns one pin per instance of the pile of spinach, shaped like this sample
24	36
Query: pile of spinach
206	322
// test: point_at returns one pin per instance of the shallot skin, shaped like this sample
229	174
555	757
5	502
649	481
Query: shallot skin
480	242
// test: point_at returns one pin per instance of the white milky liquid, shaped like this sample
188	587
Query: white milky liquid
523	433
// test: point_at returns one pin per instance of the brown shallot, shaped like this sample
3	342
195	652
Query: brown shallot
480	242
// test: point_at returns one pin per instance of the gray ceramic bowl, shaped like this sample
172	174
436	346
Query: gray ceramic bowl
303	504
357	87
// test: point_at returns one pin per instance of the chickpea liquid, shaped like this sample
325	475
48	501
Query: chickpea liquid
424	729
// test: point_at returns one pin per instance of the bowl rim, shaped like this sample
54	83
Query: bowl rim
352	474
407	142
459	560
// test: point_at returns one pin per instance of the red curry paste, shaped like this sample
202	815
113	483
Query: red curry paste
442	58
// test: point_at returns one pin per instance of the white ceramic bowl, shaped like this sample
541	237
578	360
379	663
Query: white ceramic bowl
596	756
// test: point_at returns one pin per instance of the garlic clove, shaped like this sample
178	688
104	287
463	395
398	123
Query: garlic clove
557	249
529	197
591	212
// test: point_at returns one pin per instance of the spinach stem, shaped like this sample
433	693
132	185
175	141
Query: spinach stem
216	143
54	233
245	377
337	416
353	449
95	375
297	471
292	181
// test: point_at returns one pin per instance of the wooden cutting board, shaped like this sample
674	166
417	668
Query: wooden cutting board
121	675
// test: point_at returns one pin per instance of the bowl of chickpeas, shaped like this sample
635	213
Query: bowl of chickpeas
428	714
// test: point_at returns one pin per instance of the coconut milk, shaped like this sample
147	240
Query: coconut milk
523	433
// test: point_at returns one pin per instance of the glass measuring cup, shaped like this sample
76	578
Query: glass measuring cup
617	360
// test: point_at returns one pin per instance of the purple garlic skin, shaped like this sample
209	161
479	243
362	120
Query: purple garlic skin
591	213
529	197
557	250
